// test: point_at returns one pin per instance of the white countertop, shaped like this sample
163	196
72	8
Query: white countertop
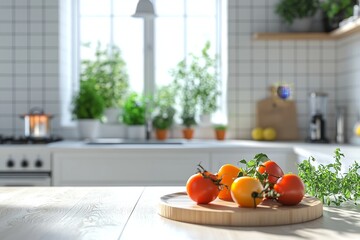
304	149
200	144
131	213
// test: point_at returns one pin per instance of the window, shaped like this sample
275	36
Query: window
181	27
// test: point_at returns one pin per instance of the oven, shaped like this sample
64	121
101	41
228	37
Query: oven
12	179
24	163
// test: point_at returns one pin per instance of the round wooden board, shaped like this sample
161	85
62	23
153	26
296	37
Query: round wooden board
179	207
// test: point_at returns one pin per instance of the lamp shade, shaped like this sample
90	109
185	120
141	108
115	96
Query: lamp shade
144	9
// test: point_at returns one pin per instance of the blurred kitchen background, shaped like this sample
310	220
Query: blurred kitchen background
39	62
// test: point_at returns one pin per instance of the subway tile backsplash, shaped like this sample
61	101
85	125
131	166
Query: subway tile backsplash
255	65
29	75
30	32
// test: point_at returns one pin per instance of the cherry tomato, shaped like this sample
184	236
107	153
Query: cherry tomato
272	169
291	189
247	191
201	188
227	173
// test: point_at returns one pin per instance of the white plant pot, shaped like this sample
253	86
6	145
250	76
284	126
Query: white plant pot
88	128
112	115
136	132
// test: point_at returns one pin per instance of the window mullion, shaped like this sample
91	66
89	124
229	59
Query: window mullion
149	57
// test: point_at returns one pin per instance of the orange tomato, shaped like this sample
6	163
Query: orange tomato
247	191
227	173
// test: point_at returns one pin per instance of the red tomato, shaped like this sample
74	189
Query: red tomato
273	170
291	189
202	189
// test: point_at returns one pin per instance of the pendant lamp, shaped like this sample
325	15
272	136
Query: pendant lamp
144	9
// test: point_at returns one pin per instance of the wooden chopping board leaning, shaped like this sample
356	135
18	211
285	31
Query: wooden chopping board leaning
279	114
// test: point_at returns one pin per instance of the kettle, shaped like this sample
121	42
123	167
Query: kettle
36	123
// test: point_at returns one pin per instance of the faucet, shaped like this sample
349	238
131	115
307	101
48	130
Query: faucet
148	128
148	119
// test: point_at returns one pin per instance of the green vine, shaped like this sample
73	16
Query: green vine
327	183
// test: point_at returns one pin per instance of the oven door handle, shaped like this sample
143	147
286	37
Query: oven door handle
18	175
25	179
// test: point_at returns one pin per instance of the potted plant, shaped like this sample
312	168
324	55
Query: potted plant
108	70
162	122
165	112
188	122
335	11
220	131
197	76
204	70
298	14
133	116
88	108
188	101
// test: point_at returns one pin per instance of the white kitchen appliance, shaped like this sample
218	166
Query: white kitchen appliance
25	161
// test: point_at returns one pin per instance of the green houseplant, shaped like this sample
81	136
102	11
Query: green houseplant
188	111
204	70
108	70
88	108
297	13
188	97
197	79
164	110
220	131
134	113
335	11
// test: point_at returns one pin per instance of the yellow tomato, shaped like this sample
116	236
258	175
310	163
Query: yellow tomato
247	191
227	173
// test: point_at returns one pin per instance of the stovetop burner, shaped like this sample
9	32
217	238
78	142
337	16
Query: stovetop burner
29	140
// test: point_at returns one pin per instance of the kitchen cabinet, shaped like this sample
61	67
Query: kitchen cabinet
126	167
78	164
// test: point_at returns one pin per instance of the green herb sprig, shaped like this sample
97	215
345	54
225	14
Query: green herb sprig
327	183
251	169
252	165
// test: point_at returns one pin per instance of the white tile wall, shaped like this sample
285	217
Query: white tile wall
348	82
255	65
28	61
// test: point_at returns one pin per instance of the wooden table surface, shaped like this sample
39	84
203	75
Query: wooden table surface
113	213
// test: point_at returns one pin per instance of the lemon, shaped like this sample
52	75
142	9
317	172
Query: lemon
357	129
269	134
257	133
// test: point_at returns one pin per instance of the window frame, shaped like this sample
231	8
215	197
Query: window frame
149	83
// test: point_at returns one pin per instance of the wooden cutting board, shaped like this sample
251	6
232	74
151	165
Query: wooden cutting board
279	114
179	207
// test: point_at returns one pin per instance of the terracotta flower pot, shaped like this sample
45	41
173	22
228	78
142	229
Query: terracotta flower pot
161	134
220	134
188	133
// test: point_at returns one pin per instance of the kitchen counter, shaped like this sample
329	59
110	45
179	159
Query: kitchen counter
131	213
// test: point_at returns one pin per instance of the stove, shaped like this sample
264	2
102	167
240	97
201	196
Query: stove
25	161
28	140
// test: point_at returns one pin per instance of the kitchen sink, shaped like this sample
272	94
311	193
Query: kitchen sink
114	141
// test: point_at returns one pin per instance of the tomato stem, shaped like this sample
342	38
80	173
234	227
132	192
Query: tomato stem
210	176
254	195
